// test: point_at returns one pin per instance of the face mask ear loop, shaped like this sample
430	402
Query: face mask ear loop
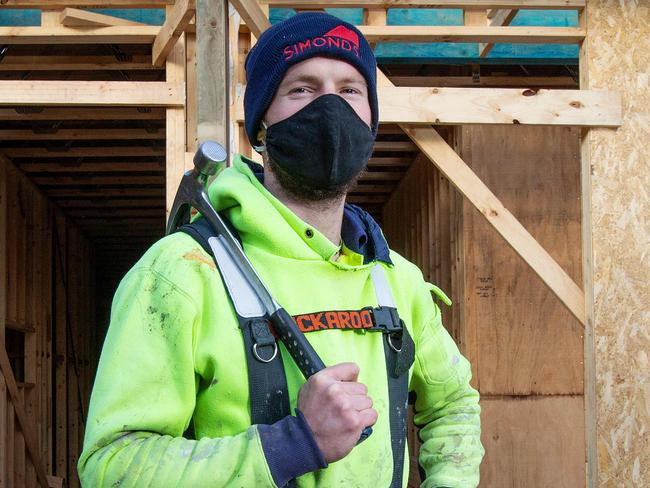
262	148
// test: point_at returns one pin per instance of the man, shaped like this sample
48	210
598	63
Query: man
175	357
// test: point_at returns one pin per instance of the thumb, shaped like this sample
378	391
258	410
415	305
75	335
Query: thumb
343	371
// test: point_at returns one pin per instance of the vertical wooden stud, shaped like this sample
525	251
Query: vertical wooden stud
212	71
591	426
176	131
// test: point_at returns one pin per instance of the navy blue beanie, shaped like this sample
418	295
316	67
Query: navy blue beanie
301	37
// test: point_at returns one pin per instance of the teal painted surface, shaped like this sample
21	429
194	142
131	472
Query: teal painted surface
9	17
23	18
398	52
463	52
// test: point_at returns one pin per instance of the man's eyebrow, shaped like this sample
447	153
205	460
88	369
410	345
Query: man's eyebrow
303	78
307	78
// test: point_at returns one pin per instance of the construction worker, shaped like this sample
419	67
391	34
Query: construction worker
186	393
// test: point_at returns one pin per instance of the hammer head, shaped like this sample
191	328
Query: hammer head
209	159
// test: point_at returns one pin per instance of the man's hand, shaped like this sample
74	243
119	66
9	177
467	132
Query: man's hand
337	409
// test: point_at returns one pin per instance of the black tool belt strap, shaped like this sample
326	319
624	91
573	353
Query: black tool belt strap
399	351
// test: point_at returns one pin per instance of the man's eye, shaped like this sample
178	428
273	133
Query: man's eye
351	91
298	90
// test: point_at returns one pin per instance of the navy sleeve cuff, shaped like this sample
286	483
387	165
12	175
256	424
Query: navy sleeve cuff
290	448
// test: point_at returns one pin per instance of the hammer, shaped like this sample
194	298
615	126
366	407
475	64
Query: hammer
210	159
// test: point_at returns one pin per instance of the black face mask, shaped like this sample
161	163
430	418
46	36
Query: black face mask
323	145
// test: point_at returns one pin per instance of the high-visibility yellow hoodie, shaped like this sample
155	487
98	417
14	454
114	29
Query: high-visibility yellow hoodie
174	355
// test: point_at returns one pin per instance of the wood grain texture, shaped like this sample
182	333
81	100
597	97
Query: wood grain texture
617	54
48	409
212	66
91	93
528	343
533	442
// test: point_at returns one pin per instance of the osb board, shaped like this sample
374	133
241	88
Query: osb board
519	337
533	442
618	58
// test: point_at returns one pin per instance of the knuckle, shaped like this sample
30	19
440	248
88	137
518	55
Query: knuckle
350	420
334	391
318	381
342	405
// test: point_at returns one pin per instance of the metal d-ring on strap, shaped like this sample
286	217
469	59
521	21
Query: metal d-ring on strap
257	354
389	338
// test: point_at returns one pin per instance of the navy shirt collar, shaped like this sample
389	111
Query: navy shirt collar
359	231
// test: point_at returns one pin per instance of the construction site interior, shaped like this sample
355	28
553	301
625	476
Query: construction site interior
493	122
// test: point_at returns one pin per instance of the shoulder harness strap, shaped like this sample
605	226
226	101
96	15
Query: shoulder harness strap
267	382
399	351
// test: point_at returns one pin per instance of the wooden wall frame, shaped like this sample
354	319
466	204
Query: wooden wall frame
171	46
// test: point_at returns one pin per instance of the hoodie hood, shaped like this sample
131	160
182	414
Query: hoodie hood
264	221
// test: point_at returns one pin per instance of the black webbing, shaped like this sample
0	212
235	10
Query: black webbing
397	373
267	381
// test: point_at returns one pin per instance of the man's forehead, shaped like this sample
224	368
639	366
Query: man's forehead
319	68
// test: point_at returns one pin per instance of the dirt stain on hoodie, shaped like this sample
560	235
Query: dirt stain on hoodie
198	255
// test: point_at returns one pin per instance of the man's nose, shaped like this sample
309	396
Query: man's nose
329	89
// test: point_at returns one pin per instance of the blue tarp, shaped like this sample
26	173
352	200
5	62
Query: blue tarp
399	52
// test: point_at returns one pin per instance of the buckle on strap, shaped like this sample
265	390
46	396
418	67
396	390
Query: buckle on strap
262	340
386	319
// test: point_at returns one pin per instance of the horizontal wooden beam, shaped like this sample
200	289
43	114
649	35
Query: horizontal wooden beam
175	24
457	106
384	161
114	203
74	63
59	4
352	198
381	175
117	213
82	134
124	192
363	187
87	152
81	113
396	146
72	35
509	35
484	4
97	180
92	93
86	167
486	81
74	17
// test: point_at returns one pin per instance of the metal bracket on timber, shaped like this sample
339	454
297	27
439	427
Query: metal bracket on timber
28	433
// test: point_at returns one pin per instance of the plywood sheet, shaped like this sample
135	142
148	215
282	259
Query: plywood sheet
533	442
618	57
520	338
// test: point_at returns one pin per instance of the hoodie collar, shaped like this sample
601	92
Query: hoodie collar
263	220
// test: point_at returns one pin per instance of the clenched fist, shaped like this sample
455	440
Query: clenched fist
337	409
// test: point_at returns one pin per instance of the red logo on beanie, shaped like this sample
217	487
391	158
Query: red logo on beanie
340	38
